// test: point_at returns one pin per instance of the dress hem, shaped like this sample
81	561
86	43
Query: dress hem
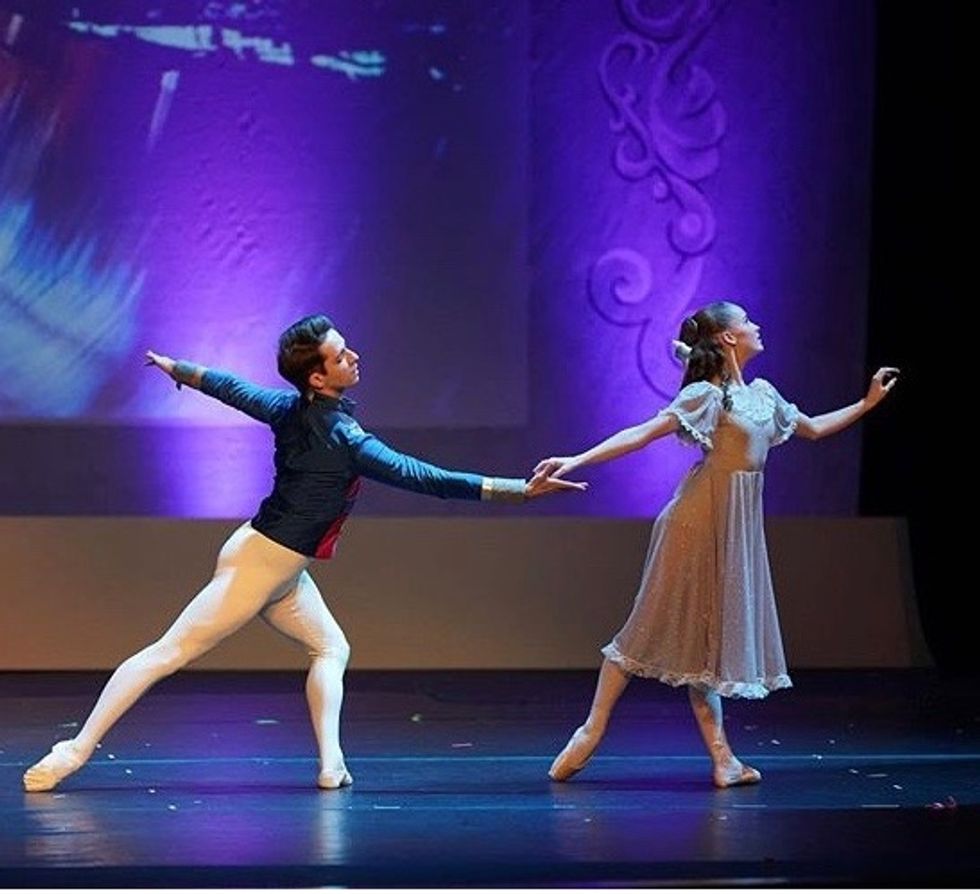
704	679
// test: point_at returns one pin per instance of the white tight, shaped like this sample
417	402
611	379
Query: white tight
254	576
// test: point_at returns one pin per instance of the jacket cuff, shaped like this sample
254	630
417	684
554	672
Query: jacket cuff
503	490
185	372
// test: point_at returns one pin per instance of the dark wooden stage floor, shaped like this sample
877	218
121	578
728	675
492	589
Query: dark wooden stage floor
871	778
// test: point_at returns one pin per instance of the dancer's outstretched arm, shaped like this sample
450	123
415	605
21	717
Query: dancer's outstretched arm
374	459
830	423
264	404
619	444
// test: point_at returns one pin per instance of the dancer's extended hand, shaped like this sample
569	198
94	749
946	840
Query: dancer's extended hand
543	483
161	361
555	466
881	383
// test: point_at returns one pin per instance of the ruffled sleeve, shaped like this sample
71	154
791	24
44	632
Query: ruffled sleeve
696	408
784	416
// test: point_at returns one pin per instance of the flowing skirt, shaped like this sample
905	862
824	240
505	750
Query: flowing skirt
705	613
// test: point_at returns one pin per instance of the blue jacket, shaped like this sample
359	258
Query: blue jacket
321	452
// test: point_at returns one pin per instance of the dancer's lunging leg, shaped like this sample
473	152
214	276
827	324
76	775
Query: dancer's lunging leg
302	616
250	571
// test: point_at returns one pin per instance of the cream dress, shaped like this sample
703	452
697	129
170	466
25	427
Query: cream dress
705	613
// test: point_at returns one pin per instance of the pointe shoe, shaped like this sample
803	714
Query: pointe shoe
735	773
331	779
63	760
575	755
728	770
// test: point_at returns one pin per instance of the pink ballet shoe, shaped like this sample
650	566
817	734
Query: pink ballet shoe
729	770
331	779
735	773
575	755
63	760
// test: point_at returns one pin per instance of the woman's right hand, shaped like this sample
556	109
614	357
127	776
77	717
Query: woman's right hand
555	466
542	484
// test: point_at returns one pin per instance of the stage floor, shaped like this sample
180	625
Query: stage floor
870	778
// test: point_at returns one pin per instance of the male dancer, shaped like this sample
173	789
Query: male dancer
321	453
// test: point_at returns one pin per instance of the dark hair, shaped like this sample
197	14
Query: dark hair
707	359
299	350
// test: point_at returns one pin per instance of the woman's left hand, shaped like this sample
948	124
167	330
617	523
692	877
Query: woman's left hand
881	383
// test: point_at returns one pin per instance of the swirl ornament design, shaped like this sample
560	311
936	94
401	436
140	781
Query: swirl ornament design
669	125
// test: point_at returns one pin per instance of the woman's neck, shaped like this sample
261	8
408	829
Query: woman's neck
733	369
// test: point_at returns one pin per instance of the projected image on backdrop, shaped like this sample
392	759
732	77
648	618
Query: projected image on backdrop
193	177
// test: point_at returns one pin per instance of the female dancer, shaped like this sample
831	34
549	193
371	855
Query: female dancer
705	615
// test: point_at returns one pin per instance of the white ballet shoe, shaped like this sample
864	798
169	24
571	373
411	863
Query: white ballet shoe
63	760
331	779
575	755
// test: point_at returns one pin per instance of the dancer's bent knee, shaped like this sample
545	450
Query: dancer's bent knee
335	650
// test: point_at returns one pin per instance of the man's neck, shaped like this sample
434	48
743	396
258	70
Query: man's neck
333	393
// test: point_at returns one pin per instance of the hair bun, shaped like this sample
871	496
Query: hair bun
690	331
681	351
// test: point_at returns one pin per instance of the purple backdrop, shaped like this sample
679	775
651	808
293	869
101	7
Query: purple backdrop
508	208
